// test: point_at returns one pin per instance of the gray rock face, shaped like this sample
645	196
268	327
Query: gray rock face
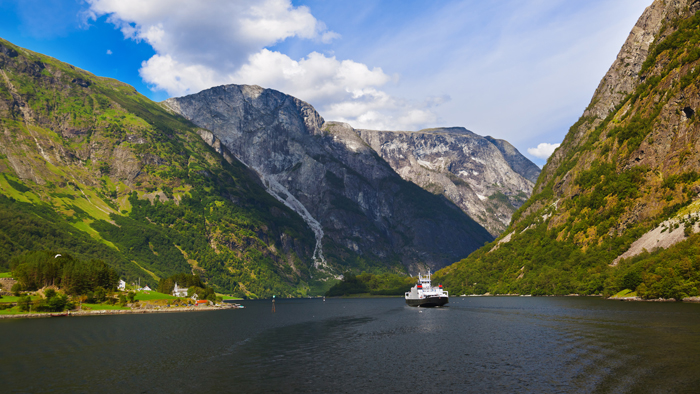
623	76
362	212
487	178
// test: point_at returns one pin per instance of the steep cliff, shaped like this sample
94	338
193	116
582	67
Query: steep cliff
363	214
623	183
92	168
487	178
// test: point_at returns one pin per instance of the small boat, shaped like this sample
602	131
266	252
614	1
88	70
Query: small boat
425	295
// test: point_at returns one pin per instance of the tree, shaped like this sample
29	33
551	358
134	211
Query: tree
100	294
16	288
631	280
24	302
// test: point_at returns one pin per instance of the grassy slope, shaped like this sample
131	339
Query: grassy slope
82	160
152	295
591	205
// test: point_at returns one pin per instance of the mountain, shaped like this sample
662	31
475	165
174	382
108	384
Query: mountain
487	178
90	167
363	214
616	206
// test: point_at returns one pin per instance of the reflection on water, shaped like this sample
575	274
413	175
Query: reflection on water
477	344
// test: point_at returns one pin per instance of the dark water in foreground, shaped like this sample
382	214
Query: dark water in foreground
476	345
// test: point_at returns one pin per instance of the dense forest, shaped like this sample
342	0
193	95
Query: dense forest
39	269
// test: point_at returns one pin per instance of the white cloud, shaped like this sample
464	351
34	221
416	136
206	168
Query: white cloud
204	44
109	51
315	78
218	33
543	150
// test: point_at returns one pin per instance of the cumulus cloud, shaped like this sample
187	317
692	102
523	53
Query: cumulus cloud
203	44
316	77
218	33
109	51
543	150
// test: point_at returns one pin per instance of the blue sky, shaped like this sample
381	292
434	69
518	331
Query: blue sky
521	70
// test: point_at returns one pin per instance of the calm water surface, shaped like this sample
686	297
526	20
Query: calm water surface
476	345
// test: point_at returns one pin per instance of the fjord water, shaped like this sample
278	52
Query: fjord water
476	345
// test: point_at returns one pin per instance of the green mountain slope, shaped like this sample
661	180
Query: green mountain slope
89	166
620	188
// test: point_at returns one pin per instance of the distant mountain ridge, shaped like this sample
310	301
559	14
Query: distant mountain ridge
487	178
364	214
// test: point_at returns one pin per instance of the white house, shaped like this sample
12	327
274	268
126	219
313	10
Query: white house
179	291
146	288
122	285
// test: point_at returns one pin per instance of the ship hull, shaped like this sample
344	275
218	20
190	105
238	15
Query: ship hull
427	302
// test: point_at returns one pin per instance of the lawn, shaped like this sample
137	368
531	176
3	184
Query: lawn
228	297
12	311
152	295
14	299
5	274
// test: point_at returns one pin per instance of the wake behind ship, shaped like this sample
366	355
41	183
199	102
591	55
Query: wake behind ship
423	294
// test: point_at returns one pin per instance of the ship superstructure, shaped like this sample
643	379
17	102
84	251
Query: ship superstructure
425	295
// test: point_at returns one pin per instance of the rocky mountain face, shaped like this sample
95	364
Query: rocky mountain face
91	168
487	178
363	214
623	185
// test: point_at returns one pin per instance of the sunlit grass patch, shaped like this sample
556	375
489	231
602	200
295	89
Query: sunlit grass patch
625	293
152	295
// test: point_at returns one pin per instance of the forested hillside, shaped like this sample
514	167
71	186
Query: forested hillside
90	167
622	187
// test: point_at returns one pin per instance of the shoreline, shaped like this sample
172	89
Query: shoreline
100	312
690	300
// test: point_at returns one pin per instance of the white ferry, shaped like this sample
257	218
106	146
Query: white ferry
425	295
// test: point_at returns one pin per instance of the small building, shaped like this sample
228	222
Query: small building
122	285
179	291
202	302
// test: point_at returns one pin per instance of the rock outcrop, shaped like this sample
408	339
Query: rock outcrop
487	178
361	211
625	181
